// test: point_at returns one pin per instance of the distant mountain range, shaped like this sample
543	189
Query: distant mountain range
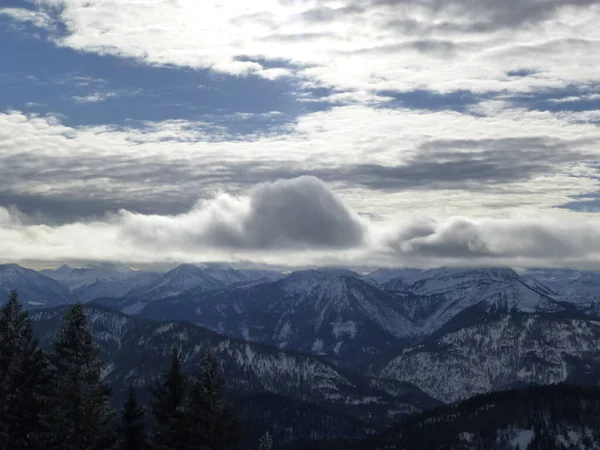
451	332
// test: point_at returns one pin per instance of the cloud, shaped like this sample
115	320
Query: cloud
509	241
302	222
93	98
416	160
286	218
301	213
22	15
428	44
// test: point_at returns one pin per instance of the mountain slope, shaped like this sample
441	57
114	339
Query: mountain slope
88	284
180	279
433	297
341	317
137	351
558	417
480	352
35	290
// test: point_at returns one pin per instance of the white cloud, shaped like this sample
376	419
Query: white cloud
302	222
93	98
37	18
357	46
379	160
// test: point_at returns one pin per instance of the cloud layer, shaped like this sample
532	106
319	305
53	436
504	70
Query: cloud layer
359	47
414	160
299	222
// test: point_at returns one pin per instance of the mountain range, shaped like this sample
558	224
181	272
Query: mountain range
136	351
447	333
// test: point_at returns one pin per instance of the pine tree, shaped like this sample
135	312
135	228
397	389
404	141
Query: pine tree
131	429
82	412
168	408
212	421
266	441
23	382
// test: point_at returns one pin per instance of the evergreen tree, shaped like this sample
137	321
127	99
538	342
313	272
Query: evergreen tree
266	442
213	423
82	412
131	429
23	382
168	407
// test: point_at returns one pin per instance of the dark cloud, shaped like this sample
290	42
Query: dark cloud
432	47
466	164
486	15
299	37
476	16
326	14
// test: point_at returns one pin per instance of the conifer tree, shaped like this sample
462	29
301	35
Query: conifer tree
168	408
23	382
82	412
131	429
266	441
213	423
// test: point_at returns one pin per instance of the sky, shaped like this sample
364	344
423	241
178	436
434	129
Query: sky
300	132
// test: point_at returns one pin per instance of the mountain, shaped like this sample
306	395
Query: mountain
343	318
188	277
90	283
115	288
35	289
180	279
230	276
578	287
137	351
481	351
383	275
433	297
557	417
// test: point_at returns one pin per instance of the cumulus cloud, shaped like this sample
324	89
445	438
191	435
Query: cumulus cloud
301	215
298	222
509	241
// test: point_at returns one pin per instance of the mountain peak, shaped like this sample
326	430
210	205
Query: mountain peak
64	269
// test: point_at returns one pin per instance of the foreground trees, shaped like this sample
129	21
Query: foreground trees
59	401
132	435
24	383
82	415
193	417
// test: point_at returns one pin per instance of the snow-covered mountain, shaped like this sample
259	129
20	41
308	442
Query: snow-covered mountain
75	278
137	351
35	289
578	287
198	280
230	276
433	297
383	275
176	281
90	283
341	317
480	351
